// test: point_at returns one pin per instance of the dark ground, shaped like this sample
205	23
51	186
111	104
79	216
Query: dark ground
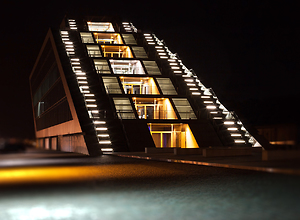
109	187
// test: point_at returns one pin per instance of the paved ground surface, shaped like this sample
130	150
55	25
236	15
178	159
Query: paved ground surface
252	162
50	185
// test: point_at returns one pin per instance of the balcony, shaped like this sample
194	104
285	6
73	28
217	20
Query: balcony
116	51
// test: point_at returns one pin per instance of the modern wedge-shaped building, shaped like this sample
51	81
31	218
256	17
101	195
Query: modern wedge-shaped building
101	85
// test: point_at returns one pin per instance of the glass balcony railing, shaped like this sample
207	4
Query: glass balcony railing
155	114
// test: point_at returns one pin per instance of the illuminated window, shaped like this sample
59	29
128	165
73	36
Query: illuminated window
106	38
101	66
87	37
154	108
129	39
93	50
166	86
184	108
139	85
126	67
101	26
111	85
151	67
116	51
139	52
124	109
172	135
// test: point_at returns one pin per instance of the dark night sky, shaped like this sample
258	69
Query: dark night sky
247	51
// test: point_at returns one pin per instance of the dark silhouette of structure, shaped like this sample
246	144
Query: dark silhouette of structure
100	85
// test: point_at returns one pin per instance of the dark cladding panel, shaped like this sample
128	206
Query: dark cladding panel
54	95
45	63
48	82
58	114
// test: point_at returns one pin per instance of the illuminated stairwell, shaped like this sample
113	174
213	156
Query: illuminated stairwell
229	128
99	122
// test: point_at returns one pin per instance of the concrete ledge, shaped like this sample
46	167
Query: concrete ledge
224	152
187	151
268	155
152	150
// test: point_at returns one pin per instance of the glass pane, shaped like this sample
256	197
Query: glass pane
111	85
127	67
124	109
139	52
86	37
184	108
172	135
151	67
101	26
93	50
129	39
166	86
101	66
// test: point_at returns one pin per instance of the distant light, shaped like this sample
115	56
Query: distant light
211	107
107	149
217	118
232	129
228	122
235	135
191	84
205	97
239	141
79	73
99	122
103	135
105	142
101	129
